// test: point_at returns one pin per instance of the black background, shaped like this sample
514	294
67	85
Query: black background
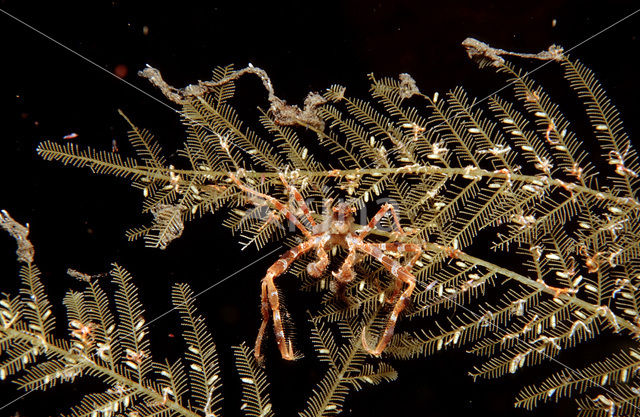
78	220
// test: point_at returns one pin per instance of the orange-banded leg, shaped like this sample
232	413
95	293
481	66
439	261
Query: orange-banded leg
378	216
317	268
301	203
345	274
399	248
275	203
402	274
271	300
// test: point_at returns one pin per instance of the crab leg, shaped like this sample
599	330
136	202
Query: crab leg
301	203
378	216
271	300
400	273
275	203
398	248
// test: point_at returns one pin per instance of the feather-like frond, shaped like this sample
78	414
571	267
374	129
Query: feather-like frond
255	394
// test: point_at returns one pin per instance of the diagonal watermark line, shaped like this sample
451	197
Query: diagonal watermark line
101	68
527	73
231	275
544	354
177	111
217	283
510	83
84	58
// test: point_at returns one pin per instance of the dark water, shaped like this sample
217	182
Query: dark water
78	220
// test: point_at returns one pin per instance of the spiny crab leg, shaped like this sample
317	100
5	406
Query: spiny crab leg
271	300
399	248
400	273
298	197
378	216
338	228
275	203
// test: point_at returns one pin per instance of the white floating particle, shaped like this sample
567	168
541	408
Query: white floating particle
435	97
602	127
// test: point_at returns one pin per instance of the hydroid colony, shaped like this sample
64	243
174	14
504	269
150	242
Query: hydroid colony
450	170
